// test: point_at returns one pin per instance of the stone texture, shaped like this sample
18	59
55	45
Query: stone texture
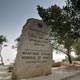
34	57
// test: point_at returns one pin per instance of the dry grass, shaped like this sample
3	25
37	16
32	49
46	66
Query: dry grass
71	67
56	64
67	66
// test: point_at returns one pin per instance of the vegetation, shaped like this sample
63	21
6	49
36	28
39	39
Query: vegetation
17	41
76	8
2	40
76	47
64	24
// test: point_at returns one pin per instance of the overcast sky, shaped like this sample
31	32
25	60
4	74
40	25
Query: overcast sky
13	15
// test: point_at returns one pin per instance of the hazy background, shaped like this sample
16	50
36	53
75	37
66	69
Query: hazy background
13	15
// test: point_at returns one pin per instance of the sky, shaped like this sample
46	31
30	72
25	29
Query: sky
13	15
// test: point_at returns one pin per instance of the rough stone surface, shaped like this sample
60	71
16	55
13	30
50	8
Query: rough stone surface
34	57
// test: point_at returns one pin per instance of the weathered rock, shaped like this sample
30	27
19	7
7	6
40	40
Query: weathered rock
34	57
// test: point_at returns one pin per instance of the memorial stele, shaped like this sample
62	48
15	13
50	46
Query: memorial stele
34	56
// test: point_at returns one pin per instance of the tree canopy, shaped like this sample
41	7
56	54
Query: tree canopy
64	24
2	40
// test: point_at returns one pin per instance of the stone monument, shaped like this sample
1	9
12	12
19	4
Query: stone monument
34	57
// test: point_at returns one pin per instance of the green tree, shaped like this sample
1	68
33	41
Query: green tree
17	42
76	47
2	40
76	4
73	9
62	29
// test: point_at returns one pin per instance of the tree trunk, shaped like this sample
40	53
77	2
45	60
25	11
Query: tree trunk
69	56
1	56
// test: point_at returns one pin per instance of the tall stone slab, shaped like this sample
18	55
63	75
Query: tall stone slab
34	57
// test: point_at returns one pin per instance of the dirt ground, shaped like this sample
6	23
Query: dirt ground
64	72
